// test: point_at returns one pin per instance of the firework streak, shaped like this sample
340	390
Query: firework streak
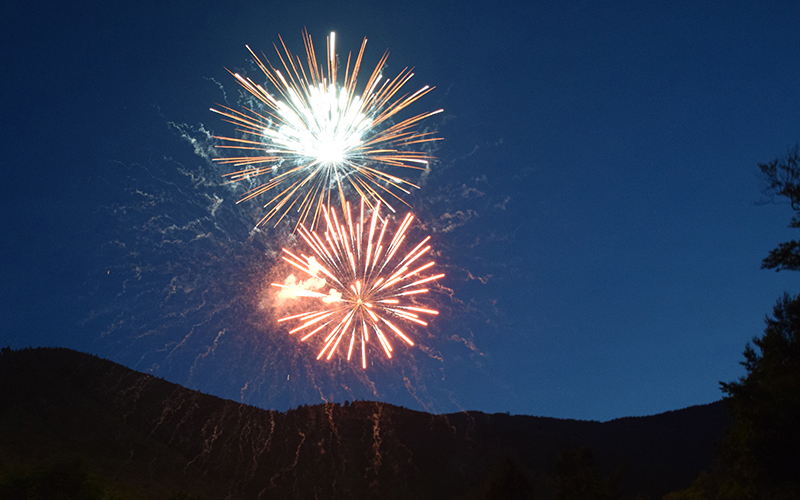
371	286
318	137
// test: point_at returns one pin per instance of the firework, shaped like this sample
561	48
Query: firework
317	137
371	287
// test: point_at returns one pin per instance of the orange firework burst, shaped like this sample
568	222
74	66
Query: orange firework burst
317	136
369	287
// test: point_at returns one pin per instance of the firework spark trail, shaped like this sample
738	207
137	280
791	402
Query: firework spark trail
369	286
317	137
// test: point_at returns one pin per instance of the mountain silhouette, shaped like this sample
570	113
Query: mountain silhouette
139	436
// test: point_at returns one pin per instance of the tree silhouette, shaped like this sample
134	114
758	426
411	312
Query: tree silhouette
760	454
577	478
763	446
782	176
508	482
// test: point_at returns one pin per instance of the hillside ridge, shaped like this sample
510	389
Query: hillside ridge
139	430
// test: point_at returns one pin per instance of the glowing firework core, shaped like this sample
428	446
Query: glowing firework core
329	131
321	136
368	289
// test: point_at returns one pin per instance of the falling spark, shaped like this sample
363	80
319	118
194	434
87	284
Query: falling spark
318	136
371	286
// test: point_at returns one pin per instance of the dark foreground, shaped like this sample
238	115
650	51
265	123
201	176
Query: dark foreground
68	418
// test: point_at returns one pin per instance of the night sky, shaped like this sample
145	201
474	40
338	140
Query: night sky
595	203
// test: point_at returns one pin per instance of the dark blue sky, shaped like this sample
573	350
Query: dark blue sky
596	202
